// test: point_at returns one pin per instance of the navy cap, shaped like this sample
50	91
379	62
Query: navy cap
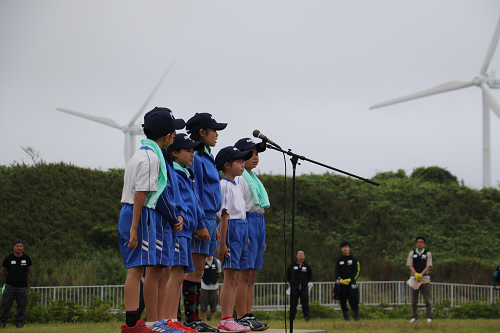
17	241
230	152
248	143
182	140
203	120
160	122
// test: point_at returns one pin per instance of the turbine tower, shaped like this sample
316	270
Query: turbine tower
483	80
131	129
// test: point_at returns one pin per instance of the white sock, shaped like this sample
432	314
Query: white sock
150	323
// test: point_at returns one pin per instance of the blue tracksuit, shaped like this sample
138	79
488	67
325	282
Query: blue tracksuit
194	211
207	184
169	206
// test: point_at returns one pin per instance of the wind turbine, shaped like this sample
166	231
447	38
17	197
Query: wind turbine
131	129
485	82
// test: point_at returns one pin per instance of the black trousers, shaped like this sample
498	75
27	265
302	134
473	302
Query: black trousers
304	301
351	294
21	297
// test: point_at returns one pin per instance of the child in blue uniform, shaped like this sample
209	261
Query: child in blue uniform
202	127
256	200
182	155
233	232
144	180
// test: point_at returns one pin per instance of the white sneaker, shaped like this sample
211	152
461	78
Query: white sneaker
413	320
429	320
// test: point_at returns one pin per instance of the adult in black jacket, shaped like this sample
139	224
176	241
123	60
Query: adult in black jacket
346	273
16	269
299	286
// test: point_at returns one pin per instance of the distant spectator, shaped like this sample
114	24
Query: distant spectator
346	273
420	263
210	287
16	269
299	287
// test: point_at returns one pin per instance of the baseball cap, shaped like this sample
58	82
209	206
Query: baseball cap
248	143
182	140
203	120
17	241
230	152
160	122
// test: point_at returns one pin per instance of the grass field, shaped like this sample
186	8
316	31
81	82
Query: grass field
337	326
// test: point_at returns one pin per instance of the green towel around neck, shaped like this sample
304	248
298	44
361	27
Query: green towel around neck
152	197
258	190
177	166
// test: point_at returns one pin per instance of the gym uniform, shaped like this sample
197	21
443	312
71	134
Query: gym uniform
256	228
209	195
183	239
141	174
237	226
169	206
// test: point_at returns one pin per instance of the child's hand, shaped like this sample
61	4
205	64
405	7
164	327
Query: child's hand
249	243
178	226
203	234
223	252
265	247
134	240
217	237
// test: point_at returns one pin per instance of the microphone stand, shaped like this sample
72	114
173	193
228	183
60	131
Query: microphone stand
295	159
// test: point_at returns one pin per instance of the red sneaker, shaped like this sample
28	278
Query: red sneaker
178	326
139	327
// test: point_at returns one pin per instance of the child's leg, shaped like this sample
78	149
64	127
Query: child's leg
132	295
242	293
132	288
173	291
250	291
190	287
150	290
163	296
228	292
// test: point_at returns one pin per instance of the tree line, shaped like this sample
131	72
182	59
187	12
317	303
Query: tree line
67	217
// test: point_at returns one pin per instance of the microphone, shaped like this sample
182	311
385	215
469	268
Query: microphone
261	136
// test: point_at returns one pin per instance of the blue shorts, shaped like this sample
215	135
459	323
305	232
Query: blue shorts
257	235
164	246
183	254
144	254
236	239
206	247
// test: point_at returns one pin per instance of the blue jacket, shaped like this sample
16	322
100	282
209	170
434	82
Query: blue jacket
170	203
207	185
187	188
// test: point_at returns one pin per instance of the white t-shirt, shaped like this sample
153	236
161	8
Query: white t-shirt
219	270
141	174
250	206
232	200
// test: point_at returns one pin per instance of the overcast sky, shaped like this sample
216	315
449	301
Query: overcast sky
302	72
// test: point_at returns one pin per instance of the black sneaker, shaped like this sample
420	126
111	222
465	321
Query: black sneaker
200	326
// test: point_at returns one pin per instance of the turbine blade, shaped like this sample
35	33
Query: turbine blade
102	120
491	50
453	85
143	107
490	98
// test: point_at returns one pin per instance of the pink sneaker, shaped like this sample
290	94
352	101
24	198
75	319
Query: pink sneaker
232	326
